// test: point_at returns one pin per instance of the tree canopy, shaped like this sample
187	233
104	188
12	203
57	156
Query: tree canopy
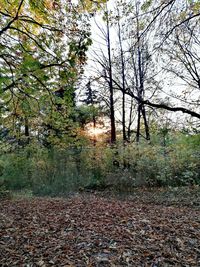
44	50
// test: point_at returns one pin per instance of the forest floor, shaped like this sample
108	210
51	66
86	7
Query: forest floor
95	229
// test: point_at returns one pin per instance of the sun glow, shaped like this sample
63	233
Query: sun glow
95	131
98	131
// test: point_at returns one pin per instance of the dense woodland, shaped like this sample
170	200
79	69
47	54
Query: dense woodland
97	94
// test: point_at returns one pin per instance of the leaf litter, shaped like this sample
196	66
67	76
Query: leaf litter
92	230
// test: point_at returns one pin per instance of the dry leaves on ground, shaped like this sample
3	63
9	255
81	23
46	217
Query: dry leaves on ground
90	230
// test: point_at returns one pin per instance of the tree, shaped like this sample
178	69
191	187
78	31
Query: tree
177	46
168	18
91	100
104	71
123	76
137	72
184	62
43	50
110	79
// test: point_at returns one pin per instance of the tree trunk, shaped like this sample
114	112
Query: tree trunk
145	123
112	110
26	130
123	83
138	123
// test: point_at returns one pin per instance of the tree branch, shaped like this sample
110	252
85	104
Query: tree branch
161	105
164	106
13	20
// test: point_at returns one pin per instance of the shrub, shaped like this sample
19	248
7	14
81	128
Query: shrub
53	172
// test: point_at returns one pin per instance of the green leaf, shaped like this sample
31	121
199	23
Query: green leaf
146	5
29	63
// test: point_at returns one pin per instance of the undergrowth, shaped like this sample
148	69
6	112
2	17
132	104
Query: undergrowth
118	168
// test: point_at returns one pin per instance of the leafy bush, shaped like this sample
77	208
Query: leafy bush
53	172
